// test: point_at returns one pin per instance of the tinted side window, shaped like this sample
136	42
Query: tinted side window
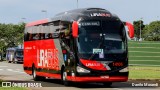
27	32
26	36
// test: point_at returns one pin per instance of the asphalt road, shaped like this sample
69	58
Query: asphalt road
14	73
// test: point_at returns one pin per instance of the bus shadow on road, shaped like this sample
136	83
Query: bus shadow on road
58	83
118	85
51	83
91	85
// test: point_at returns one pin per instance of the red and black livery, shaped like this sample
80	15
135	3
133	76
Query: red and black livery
82	45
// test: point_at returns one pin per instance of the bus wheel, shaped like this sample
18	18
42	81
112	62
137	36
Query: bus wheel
13	61
64	78
35	77
107	84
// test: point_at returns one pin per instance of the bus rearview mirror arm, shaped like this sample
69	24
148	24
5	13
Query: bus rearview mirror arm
130	28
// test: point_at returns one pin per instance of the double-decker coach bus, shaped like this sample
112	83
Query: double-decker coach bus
82	45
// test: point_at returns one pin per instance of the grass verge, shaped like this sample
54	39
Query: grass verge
144	72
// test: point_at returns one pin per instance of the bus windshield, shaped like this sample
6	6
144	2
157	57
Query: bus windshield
101	37
19	53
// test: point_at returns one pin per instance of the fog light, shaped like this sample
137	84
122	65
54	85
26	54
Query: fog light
82	70
126	69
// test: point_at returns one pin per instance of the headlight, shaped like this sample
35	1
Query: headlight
124	69
82	70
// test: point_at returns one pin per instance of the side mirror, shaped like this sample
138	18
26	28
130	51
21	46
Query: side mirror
130	28
75	29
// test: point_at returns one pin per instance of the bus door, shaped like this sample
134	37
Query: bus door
67	45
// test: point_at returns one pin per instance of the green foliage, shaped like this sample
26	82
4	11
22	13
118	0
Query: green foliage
11	35
152	31
137	25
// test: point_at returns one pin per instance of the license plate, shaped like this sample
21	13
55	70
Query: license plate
104	76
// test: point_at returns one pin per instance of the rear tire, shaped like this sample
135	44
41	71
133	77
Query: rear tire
14	61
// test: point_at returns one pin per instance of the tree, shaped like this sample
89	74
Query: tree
137	25
152	31
11	35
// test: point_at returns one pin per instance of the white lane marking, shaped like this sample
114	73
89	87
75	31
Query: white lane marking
145	47
1	69
144	56
18	69
143	65
117	89
145	43
15	71
143	52
144	60
3	66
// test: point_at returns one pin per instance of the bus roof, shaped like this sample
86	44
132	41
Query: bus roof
72	15
14	48
37	22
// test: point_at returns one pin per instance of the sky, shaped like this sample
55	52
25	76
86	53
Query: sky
15	11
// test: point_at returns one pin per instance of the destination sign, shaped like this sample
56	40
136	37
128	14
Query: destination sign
100	15
96	23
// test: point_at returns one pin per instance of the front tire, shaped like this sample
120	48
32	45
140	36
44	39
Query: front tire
64	78
35	77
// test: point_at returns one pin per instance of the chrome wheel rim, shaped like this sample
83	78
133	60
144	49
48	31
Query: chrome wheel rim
64	76
34	73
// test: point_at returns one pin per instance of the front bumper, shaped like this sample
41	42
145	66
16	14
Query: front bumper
98	79
19	61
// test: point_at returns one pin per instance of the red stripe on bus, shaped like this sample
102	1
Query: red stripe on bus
98	79
93	64
28	71
57	76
